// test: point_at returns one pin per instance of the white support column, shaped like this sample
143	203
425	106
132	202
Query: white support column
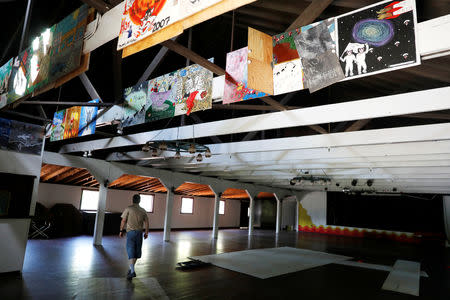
168	214
297	205
215	233
252	195
278	222
446	203
100	215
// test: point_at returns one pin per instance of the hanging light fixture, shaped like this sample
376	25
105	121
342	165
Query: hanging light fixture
208	153
199	157
177	154
192	149
146	147
162	146
85	154
154	152
89	153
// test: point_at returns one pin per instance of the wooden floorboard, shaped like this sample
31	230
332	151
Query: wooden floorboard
53	268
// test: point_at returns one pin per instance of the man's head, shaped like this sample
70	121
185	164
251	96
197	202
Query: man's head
136	198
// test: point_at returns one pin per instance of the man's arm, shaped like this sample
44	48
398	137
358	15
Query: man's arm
122	226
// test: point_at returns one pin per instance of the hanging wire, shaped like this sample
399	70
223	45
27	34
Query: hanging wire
232	33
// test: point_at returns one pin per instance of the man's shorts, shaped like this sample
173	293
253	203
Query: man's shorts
134	244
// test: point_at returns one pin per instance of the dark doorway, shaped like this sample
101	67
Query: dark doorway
244	213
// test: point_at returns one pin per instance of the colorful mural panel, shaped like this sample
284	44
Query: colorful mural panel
134	105
378	38
287	77
88	118
142	18
163	95
18	81
68	43
72	124
58	125
236	87
284	46
25	138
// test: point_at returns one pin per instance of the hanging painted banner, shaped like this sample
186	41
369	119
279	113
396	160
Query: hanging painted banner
196	90
134	105
237	68
88	117
5	128
5	74
163	95
318	55
111	115
58	126
378	38
39	60
18	82
25	138
72	124
141	18
68	43
284	46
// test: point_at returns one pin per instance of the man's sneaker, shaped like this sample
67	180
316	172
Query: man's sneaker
130	275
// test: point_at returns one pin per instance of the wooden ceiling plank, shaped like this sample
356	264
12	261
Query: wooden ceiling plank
57	172
308	15
78	175
358	125
67	174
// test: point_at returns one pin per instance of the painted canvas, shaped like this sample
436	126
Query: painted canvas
88	118
331	24
18	81
378	38
163	95
72	122
236	87
287	77
26	138
284	46
313	45
190	7
141	18
39	60
5	73
58	125
196	90
5	128
134	105
114	113
67	44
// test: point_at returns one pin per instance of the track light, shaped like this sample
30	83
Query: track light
146	147
369	182
199	157
192	149
208	153
154	153
177	154
89	153
85	154
120	129
354	182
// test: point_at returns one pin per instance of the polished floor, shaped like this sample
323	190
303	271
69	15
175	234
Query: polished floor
62	268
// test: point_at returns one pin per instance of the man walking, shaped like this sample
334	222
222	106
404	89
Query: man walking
135	217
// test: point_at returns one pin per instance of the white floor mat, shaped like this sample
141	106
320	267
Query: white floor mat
404	278
266	263
120	288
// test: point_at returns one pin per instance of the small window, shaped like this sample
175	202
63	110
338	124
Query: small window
187	205
89	200
147	202
221	207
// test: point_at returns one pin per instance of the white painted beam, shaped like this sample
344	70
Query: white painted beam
409	103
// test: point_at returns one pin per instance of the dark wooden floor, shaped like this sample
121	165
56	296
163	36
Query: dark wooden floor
53	268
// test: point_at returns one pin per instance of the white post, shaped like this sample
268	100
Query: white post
251	215
297	205
446	203
216	215
168	214
100	215
278	223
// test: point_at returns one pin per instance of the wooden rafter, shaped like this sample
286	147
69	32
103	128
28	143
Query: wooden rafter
357	125
57	172
310	14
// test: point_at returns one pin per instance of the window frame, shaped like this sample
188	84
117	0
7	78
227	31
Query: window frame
220	201
153	202
181	206
81	199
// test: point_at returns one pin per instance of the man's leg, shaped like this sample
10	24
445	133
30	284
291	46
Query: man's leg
131	250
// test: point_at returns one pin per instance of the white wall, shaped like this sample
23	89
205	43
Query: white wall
315	204
118	200
288	212
14	232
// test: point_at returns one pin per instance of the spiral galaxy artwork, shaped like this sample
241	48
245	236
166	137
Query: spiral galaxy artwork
378	38
373	32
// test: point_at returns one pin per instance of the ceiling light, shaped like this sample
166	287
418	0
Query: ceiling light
177	155
192	149
119	129
146	147
199	157
369	182
208	153
85	154
346	189
354	182
89	153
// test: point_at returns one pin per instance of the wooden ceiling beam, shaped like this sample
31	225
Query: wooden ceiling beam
308	15
429	116
77	176
57	172
99	5
83	178
67	174
358	125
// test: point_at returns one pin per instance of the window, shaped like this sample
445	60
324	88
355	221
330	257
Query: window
221	207
89	200
147	202
187	205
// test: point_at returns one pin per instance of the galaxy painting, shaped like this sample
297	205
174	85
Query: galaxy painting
378	38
